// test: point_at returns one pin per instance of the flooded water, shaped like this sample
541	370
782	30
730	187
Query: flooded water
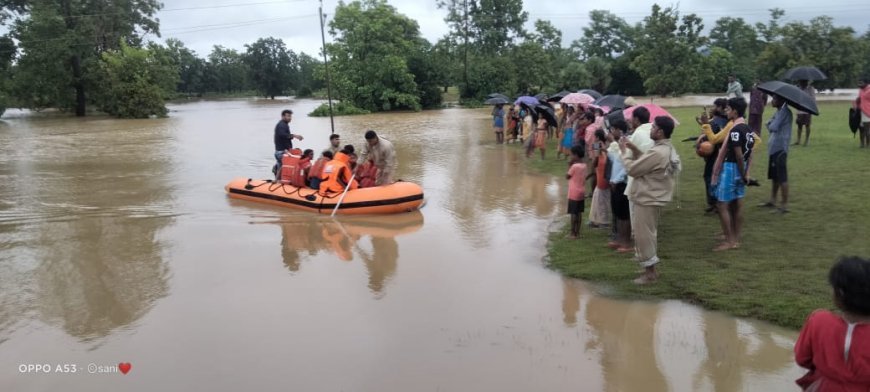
119	245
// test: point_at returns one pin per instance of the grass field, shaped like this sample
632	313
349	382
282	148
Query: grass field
780	272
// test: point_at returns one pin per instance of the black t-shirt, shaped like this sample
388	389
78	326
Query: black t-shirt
740	136
282	136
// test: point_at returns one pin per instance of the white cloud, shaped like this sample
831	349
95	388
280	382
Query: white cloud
295	21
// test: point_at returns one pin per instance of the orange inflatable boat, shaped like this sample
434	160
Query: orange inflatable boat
389	199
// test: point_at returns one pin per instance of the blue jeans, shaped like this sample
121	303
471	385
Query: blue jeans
276	169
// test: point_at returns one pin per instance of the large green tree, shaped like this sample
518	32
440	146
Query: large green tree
191	69
61	42
271	66
607	36
226	71
308	80
7	54
136	81
668	58
372	43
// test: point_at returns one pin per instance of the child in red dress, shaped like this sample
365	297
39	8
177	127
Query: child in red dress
835	348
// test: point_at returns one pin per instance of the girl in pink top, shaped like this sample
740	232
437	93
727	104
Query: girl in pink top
576	192
862	103
835	348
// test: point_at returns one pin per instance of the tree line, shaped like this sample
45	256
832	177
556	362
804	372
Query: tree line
71	55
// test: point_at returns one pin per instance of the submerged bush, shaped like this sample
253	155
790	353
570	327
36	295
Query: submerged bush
338	109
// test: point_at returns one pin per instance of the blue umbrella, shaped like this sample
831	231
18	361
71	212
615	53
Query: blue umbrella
531	101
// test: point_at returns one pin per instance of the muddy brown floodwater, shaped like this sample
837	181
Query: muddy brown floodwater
119	245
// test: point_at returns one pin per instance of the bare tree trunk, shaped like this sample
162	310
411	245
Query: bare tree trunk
79	85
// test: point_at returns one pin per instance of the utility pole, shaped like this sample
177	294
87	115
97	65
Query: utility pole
326	64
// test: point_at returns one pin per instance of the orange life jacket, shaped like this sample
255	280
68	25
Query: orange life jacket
292	172
336	174
367	174
317	169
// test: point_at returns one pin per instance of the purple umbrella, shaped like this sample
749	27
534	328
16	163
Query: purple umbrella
531	101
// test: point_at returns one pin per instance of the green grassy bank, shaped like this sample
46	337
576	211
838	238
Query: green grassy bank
780	272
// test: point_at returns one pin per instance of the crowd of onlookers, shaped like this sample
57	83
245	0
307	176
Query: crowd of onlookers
632	167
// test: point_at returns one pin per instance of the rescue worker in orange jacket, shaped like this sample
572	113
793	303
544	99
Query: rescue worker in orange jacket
336	174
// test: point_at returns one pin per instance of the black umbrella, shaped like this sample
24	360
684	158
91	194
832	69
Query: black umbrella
791	94
542	97
592	93
559	95
496	101
548	113
497	95
612	101
531	110
804	73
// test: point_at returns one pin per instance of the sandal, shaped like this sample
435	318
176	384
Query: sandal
767	205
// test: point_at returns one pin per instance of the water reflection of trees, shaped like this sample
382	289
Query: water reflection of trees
99	255
342	238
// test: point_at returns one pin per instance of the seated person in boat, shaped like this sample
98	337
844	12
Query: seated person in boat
380	151
351	152
305	164
337	173
317	169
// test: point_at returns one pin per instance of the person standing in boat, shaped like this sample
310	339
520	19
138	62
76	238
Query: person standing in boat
382	154
283	138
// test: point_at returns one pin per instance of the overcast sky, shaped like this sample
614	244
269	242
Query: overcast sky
201	24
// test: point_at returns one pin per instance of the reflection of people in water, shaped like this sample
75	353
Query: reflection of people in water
337	241
340	237
382	264
728	354
297	237
570	301
626	337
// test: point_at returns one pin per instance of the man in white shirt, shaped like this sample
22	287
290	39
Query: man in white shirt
735	89
642	141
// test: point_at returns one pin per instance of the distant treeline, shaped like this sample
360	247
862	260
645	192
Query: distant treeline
71	55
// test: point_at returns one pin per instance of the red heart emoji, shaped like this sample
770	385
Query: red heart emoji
124	367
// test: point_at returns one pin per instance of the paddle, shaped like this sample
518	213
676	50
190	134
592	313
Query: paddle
343	194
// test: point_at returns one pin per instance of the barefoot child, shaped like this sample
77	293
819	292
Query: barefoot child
576	193
835	348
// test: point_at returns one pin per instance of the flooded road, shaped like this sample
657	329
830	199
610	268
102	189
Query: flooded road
119	245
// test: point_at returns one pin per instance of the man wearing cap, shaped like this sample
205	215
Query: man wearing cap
381	152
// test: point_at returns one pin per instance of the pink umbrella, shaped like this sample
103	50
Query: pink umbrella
578	98
654	111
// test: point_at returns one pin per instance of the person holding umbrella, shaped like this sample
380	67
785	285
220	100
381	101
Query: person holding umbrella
803	118
777	148
498	123
862	103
